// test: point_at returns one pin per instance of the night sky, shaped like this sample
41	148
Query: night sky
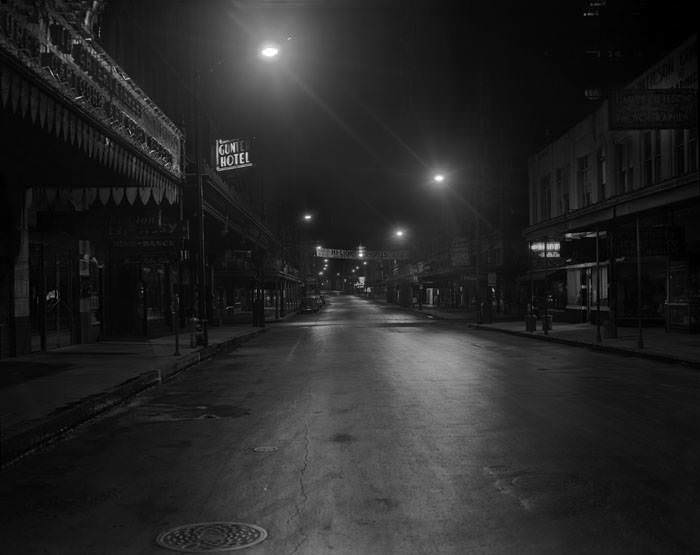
370	97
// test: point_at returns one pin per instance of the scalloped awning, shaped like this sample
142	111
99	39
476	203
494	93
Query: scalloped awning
143	180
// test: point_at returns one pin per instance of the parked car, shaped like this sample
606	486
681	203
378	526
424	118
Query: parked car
310	303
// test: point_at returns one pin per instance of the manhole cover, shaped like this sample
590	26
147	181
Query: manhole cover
265	449
208	537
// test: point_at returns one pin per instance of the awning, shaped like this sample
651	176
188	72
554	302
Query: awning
143	178
82	198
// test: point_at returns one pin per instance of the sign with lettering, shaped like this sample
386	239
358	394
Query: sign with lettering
550	249
147	234
232	154
653	109
356	254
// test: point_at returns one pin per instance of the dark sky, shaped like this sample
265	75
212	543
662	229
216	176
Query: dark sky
369	97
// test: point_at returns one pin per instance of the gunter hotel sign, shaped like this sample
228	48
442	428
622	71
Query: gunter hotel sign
232	154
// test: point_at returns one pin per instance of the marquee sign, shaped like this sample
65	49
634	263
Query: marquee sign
232	154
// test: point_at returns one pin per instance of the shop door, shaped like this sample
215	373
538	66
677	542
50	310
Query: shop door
52	296
126	301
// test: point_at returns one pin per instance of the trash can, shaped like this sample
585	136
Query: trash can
547	322
530	322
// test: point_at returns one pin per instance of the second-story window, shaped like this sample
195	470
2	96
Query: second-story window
629	157
565	188
602	174
558	190
583	184
546	197
679	152
624	169
657	155
648	166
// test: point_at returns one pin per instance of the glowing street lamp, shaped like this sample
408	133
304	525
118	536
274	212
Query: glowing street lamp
308	217
270	51
439	177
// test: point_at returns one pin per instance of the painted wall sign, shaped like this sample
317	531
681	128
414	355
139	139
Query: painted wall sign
653	109
232	154
663	97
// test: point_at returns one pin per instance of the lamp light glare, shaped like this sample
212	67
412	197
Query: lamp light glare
269	51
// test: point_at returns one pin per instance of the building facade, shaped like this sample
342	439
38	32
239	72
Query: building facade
615	204
91	175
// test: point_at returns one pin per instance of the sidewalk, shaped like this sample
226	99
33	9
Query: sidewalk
43	395
673	347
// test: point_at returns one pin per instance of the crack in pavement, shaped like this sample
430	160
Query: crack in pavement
302	488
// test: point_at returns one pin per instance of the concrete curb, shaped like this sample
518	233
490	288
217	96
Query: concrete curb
26	437
593	346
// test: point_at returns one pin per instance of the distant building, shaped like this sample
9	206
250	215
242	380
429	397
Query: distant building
618	183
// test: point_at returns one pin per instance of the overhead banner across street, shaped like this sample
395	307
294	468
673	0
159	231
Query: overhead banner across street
361	254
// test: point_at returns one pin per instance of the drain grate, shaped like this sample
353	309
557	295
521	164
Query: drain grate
211	537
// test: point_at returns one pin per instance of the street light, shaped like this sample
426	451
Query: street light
307	217
439	177
270	51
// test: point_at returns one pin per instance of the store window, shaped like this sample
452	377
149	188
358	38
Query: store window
153	279
574	295
603	285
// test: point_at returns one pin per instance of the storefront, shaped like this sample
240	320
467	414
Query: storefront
90	179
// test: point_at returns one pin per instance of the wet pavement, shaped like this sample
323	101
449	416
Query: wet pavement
364	429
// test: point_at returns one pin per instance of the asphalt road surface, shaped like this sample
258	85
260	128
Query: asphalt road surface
380	431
